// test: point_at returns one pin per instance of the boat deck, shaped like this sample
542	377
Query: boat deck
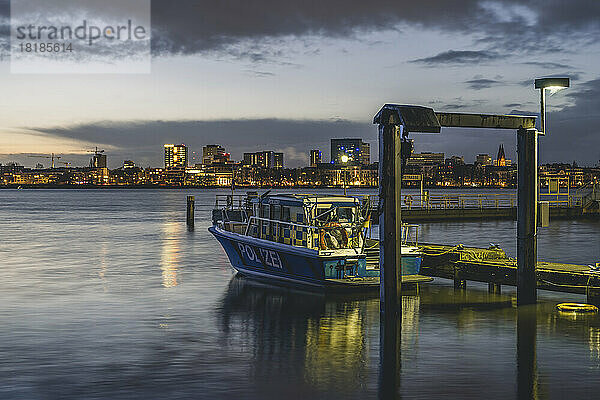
373	282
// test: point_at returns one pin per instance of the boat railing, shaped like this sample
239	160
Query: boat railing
232	201
296	234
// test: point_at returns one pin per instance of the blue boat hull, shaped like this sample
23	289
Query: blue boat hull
270	261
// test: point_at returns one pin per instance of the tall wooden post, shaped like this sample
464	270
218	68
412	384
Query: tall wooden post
390	223
527	216
190	212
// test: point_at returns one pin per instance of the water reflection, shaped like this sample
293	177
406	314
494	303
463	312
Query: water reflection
169	257
103	266
527	377
322	338
594	343
318	344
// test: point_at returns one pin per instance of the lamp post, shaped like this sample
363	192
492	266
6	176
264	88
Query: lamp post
527	201
344	160
554	85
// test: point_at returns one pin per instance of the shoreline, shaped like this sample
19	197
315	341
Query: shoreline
171	187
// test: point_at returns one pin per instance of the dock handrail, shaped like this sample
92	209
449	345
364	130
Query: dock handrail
438	201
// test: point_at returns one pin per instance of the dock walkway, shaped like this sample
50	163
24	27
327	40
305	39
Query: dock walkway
461	264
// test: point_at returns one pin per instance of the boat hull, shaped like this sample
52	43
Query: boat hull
292	265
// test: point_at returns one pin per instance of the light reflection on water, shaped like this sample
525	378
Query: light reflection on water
106	295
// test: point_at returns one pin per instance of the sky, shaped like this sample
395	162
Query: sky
288	76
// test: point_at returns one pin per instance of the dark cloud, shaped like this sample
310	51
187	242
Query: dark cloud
482	83
189	26
458	57
142	141
196	26
573	133
548	65
512	105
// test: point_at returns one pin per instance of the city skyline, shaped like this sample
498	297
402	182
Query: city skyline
249	81
200	158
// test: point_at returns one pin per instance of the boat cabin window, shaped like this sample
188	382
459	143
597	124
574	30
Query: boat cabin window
265	211
285	214
345	214
276	212
324	214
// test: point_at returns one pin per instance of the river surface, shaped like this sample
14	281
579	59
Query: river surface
106	295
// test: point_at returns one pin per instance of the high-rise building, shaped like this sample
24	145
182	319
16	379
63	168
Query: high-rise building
98	161
357	151
315	157
176	156
483	159
265	159
277	160
214	153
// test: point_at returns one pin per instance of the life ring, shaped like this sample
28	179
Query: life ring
343	235
577	308
322	243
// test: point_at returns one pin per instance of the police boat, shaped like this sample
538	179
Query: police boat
315	240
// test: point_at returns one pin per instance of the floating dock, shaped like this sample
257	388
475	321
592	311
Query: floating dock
461	264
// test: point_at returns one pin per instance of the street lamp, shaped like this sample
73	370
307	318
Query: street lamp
527	197
554	85
344	160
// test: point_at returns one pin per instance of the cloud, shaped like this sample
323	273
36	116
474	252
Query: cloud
482	83
457	57
142	141
199	26
548	65
191	26
573	133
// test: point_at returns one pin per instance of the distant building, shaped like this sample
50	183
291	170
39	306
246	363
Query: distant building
214	153
501	159
278	160
455	160
176	156
426	159
357	151
264	159
483	159
315	157
98	161
128	164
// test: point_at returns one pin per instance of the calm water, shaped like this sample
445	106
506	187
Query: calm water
106	295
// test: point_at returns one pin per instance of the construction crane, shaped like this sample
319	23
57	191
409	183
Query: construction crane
51	157
95	151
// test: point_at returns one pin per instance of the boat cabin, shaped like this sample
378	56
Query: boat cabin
321	222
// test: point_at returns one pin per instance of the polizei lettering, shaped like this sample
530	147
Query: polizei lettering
264	257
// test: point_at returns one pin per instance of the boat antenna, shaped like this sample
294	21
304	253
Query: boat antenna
232	179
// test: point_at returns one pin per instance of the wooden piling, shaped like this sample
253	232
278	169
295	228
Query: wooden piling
527	216
190	212
390	223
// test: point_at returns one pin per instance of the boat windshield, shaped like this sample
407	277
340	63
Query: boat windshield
345	214
335	214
